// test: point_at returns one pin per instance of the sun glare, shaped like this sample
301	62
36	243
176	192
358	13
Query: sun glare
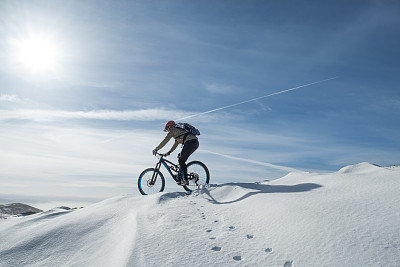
37	54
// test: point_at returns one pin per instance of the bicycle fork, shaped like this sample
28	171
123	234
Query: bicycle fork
155	173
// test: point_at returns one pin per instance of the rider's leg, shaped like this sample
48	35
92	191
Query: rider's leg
188	148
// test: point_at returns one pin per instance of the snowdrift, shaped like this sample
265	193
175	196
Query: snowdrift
347	218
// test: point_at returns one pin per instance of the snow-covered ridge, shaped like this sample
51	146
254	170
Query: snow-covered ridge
363	167
345	218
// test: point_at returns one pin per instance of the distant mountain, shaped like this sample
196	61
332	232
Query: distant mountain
17	209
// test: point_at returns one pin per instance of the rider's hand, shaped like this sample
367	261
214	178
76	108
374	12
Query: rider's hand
155	152
168	153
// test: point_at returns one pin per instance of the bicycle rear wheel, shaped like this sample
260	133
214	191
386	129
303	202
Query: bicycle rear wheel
198	174
144	182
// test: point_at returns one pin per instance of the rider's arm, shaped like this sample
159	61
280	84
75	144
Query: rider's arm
173	147
165	141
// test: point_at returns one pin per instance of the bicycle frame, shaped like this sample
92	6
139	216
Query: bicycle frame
165	163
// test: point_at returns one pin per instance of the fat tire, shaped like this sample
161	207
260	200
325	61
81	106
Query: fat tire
204	167
143	179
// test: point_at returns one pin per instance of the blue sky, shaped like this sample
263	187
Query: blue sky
80	118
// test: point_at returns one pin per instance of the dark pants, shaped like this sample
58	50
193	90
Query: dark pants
188	148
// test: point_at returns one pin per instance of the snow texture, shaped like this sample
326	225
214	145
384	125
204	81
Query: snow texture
347	218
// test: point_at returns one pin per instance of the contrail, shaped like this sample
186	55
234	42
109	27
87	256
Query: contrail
278	167
254	99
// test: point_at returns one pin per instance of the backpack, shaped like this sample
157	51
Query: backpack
188	128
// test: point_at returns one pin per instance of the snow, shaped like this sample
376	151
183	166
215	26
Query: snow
346	218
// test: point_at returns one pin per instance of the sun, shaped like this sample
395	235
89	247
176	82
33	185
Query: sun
37	54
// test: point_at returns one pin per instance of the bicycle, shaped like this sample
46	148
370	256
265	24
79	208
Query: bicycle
152	181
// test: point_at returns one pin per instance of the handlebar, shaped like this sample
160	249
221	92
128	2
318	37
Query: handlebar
161	155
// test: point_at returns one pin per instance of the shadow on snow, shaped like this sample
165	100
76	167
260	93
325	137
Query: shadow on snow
168	196
263	189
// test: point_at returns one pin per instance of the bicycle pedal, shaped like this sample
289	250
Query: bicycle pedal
183	182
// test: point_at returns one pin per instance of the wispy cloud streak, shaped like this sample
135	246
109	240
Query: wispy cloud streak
278	167
41	115
9	98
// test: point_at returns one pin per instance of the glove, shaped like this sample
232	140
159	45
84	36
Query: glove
155	152
167	154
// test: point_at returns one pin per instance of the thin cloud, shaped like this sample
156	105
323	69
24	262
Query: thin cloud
144	115
42	115
9	98
274	166
218	88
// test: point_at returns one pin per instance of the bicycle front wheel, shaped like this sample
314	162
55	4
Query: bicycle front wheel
198	174
147	186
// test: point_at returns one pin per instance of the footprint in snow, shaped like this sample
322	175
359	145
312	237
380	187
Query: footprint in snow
231	228
216	248
288	264
268	250
208	231
250	236
239	258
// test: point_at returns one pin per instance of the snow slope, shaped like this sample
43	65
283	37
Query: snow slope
347	218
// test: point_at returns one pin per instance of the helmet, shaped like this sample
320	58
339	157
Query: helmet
169	125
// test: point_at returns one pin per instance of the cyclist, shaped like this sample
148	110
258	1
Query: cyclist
189	142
